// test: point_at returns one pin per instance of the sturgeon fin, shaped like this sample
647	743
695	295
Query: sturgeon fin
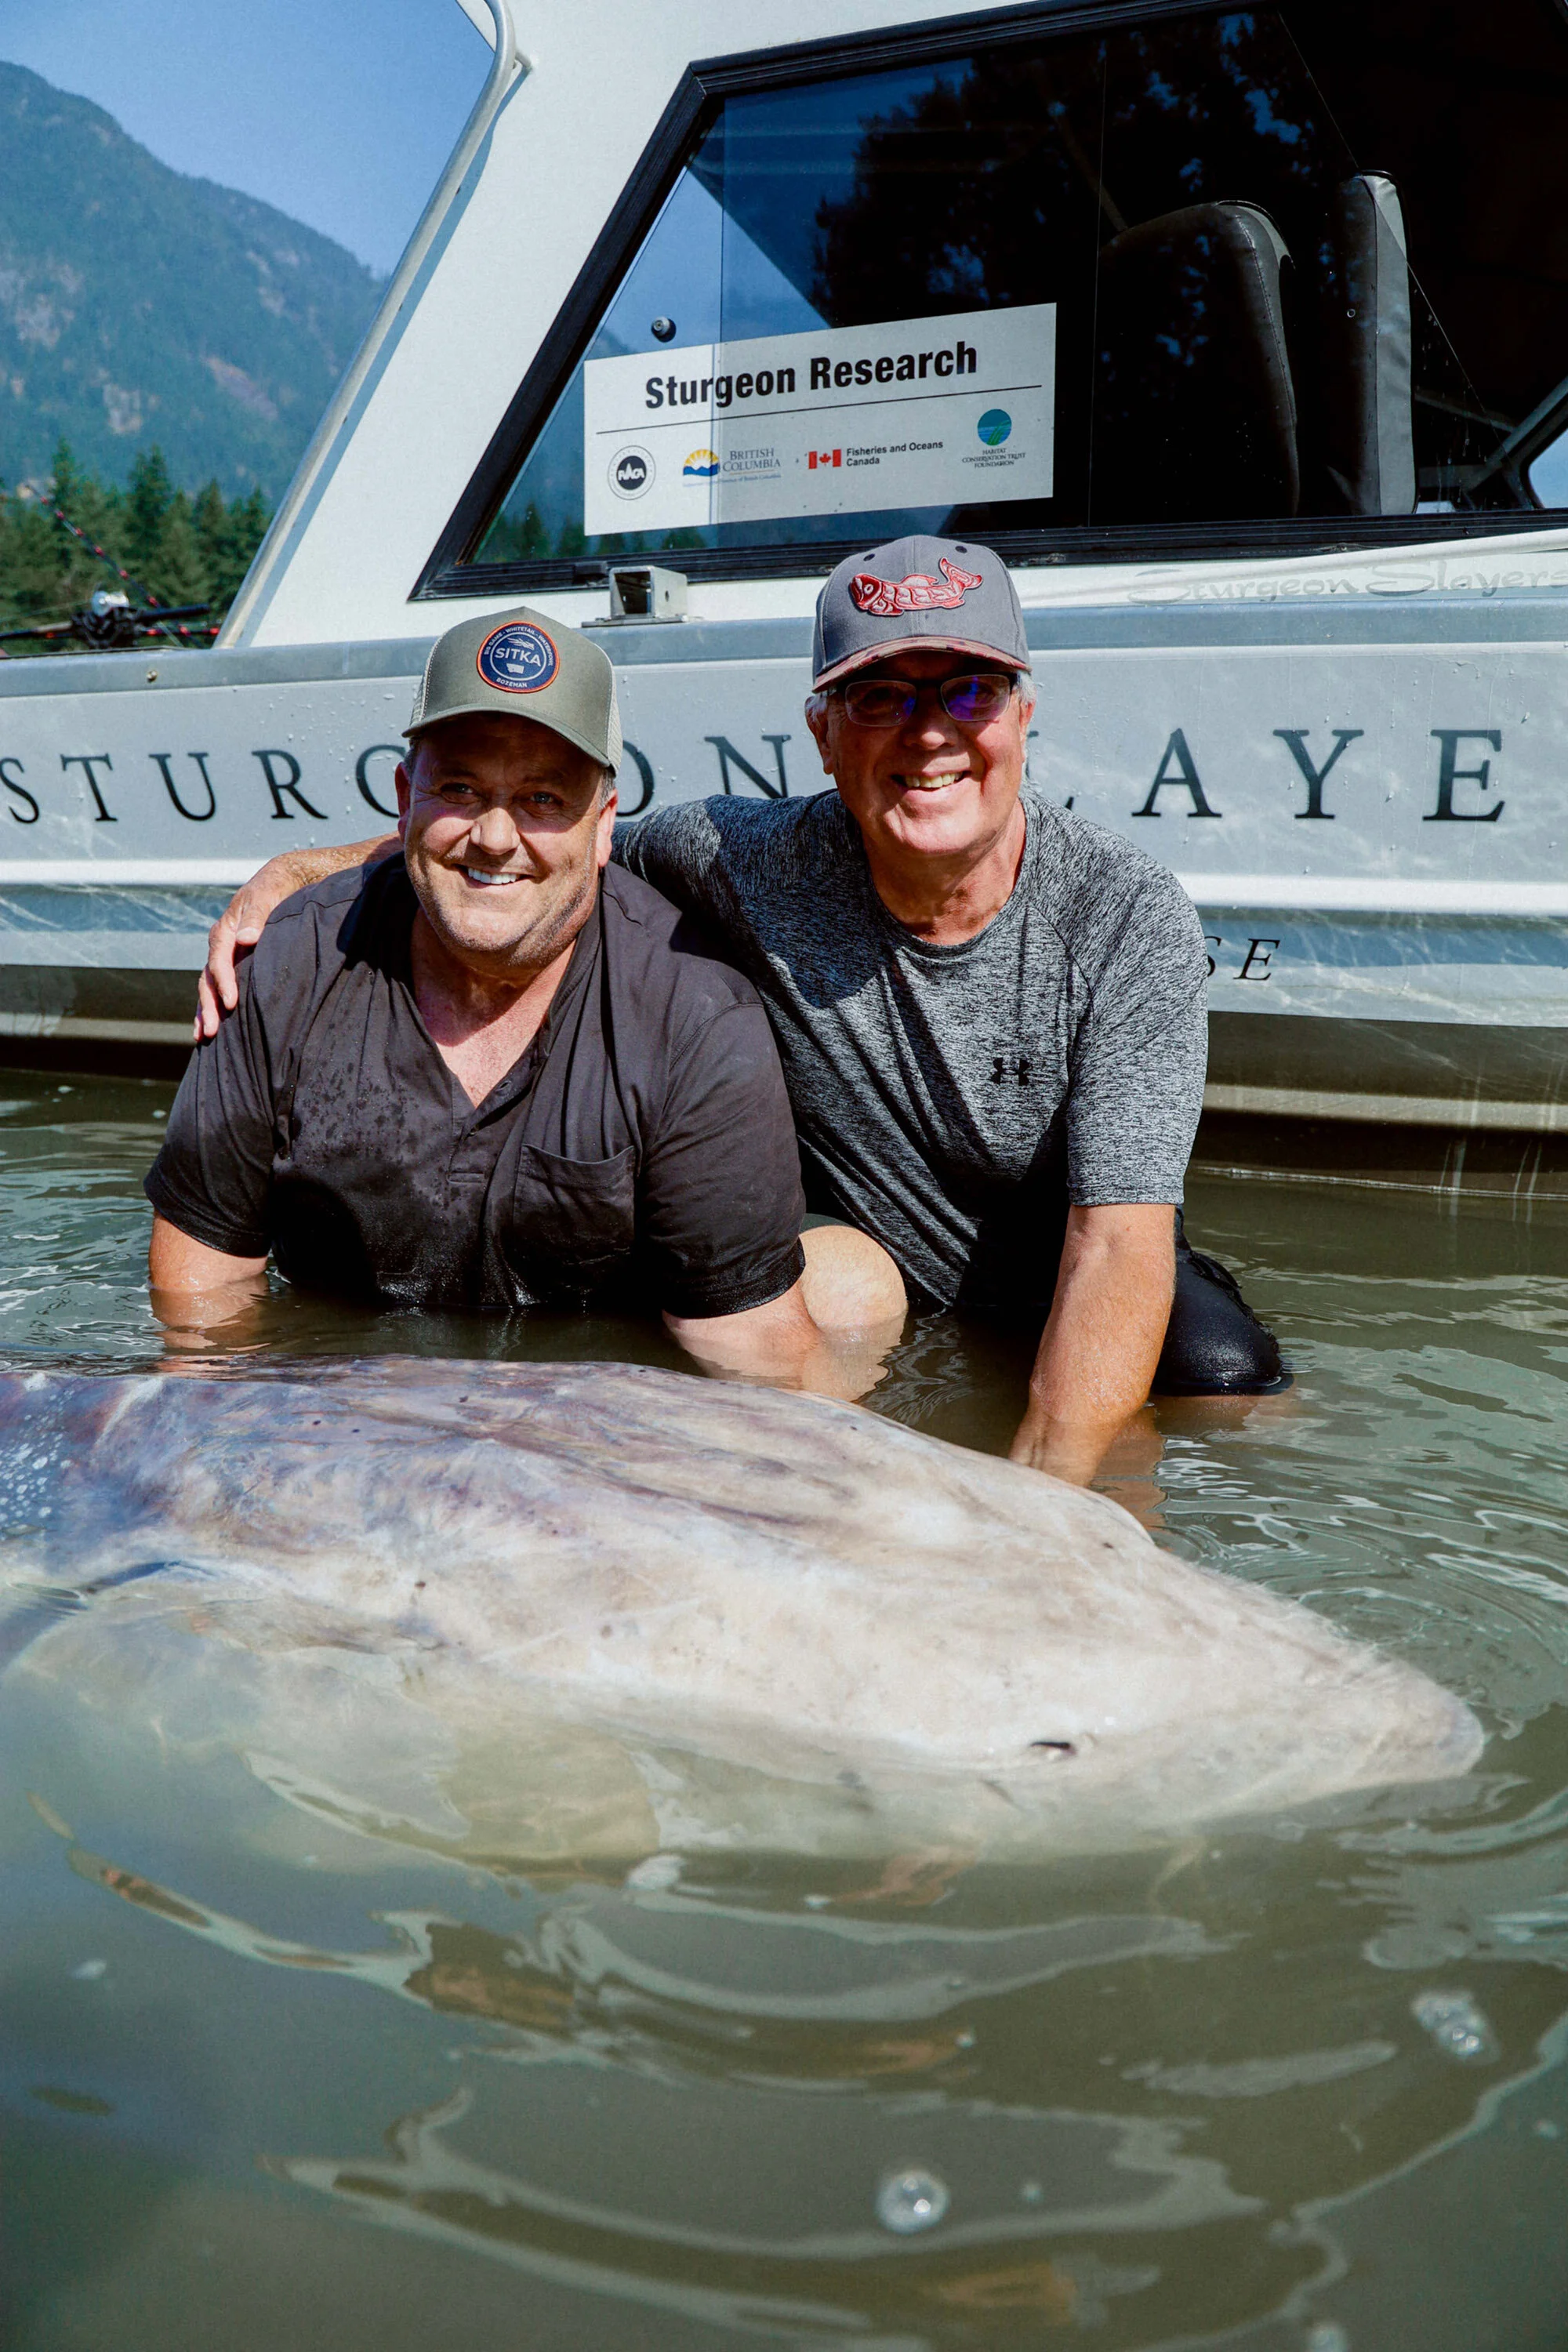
44	1608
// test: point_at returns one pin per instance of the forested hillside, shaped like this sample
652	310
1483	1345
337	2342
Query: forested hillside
147	542
141	309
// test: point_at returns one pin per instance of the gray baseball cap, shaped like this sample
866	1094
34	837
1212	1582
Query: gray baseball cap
942	594
525	666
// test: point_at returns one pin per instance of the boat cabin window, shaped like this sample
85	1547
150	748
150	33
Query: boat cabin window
1278	278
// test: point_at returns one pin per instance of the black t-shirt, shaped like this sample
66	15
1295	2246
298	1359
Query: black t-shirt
642	1144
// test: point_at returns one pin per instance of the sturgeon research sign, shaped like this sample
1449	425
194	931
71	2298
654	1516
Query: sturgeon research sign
914	413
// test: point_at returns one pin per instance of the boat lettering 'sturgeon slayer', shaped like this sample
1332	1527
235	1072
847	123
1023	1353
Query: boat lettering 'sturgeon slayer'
1183	311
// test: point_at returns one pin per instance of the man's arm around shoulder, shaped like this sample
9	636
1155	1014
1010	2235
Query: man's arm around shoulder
244	919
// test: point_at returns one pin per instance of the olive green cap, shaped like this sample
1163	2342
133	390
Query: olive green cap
527	667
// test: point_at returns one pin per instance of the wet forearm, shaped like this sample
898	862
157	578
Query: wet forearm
1101	1343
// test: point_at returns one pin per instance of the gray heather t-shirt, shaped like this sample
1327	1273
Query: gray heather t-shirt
954	1100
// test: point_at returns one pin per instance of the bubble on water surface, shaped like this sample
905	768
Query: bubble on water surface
659	1871
913	2200
1458	2026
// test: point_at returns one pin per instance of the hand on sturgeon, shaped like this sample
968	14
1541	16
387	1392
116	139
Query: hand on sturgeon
241	923
1101	1343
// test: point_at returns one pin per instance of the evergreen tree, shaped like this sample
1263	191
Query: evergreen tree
184	551
146	506
99	514
36	586
67	482
213	530
228	538
178	574
78	500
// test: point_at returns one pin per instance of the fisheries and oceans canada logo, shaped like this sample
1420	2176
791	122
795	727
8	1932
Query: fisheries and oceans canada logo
631	472
700	466
993	427
520	657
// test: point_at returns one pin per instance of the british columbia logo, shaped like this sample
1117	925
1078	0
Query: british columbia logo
701	466
917	591
519	657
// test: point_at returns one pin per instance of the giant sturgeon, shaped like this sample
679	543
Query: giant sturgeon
779	1583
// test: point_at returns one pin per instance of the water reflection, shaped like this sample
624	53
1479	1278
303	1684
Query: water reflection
478	1998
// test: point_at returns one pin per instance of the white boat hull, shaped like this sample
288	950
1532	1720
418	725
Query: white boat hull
1389	943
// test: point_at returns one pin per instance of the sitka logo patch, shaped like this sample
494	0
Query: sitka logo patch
519	657
917	591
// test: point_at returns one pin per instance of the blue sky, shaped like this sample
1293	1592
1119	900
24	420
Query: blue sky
340	112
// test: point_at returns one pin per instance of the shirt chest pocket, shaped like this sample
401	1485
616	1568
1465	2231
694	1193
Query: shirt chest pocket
566	1225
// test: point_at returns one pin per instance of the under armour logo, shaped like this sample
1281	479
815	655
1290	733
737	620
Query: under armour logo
1011	1069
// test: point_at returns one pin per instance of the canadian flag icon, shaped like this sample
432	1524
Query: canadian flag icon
824	457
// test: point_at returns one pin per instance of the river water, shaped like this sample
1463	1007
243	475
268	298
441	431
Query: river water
272	2079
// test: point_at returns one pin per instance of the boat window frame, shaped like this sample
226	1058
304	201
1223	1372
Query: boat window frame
450	569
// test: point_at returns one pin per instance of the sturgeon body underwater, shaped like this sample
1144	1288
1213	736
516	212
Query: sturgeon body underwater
365	1994
767	1621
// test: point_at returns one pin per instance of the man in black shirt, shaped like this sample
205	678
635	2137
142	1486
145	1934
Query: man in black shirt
489	1075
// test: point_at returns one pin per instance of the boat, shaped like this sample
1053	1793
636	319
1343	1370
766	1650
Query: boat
1232	332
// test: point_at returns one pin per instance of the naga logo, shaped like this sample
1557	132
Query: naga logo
631	471
823	457
701	466
917	591
993	427
520	657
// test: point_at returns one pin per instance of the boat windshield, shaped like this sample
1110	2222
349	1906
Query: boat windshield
1214	279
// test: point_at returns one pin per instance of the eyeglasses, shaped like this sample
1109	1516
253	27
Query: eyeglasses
892	701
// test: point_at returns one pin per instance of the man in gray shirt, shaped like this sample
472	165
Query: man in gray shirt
991	1014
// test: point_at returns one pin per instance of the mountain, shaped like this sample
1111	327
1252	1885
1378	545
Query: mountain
138	306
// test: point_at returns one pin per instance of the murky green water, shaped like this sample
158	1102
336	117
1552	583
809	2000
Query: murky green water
268	2082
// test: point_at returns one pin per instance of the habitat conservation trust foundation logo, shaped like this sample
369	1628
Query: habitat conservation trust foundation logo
993	430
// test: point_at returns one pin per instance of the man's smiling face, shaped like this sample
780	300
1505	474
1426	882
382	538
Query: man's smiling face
504	834
930	786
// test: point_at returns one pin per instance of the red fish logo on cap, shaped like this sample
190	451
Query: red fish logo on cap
917	591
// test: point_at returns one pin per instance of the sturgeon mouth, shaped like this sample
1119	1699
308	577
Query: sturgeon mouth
1053	1746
